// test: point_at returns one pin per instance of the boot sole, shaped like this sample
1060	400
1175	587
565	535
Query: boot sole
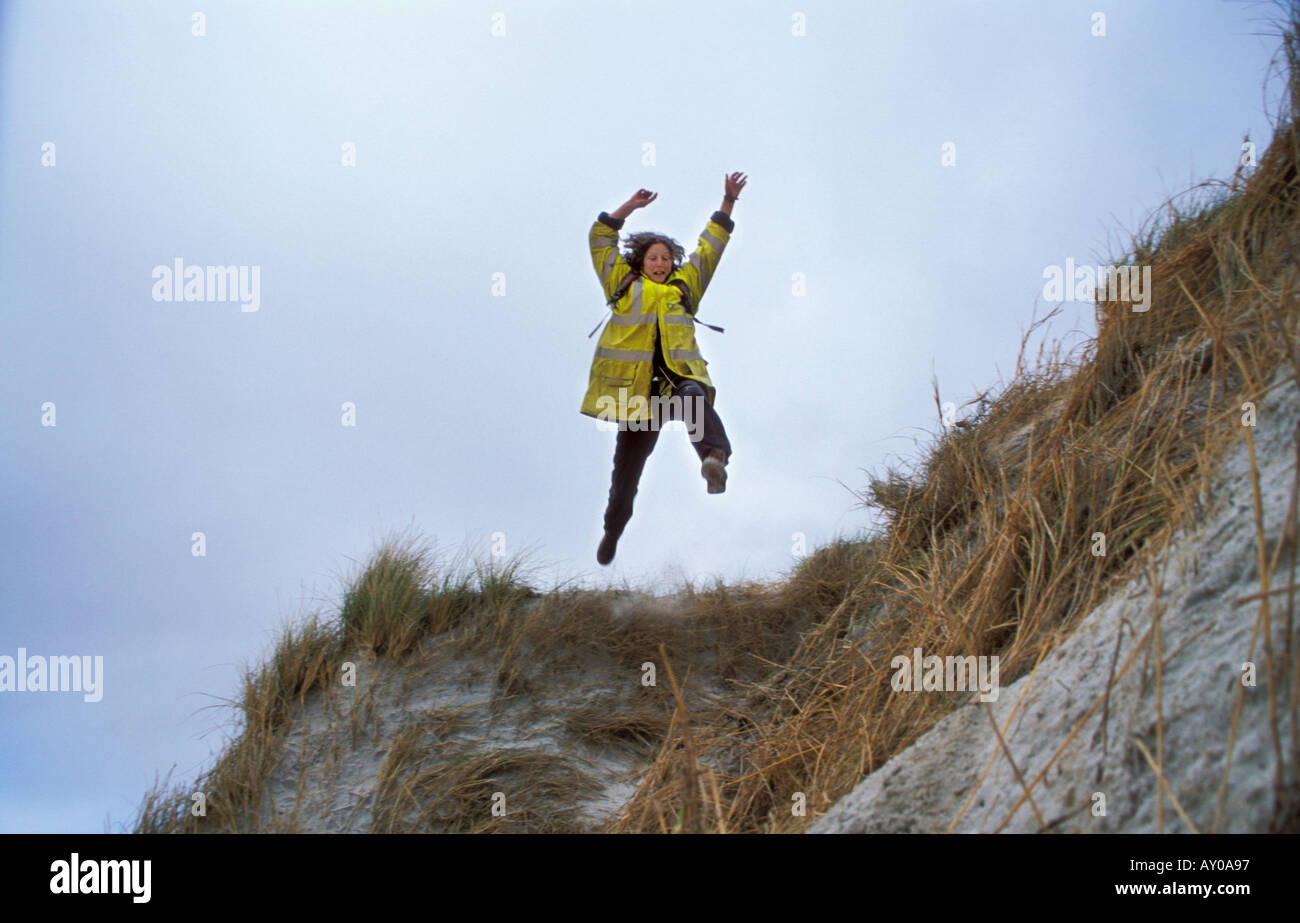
611	550
715	473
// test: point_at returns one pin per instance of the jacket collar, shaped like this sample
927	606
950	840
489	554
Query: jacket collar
672	277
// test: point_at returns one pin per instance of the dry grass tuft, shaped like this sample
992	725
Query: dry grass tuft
424	790
614	721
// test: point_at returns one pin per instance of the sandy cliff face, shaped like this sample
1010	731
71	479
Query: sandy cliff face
555	738
1073	734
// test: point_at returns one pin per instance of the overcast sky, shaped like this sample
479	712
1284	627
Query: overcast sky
487	137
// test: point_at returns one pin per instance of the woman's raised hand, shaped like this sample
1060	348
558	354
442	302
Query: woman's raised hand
642	198
734	183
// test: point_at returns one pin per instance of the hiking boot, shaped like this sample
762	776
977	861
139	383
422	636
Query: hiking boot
714	471
605	553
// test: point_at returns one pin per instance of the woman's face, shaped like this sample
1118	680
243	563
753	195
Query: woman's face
658	262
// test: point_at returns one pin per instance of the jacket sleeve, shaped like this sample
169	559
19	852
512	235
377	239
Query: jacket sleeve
698	269
610	265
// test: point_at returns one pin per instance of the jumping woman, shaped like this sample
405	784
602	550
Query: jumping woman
648	348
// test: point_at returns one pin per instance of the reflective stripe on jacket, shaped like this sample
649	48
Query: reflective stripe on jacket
622	366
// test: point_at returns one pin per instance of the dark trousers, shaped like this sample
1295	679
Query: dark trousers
633	447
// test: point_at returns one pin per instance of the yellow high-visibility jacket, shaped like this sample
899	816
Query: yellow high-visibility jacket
619	384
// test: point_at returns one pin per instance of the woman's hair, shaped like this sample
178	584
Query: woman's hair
639	243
